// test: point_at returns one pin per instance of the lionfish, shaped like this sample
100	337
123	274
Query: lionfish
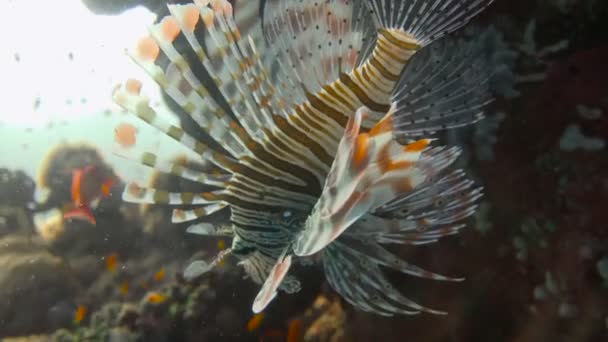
316	126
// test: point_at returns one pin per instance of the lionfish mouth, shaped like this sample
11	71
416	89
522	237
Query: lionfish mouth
327	105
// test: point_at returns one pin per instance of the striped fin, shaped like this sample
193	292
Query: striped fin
258	97
180	215
171	71
184	20
446	85
370	170
130	99
373	252
401	231
437	196
314	42
134	193
152	161
425	20
361	282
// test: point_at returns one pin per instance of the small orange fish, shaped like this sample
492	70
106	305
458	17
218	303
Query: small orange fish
112	262
124	288
255	321
156	298
88	186
80	314
159	275
125	135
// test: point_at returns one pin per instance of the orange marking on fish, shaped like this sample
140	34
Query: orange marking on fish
216	5
170	28
255	321
383	126
402	185
386	164
191	17
361	149
208	18
159	275
112	262
293	331
124	288
133	86
156	298
147	49
179	214
125	135
227	9
106	187
80	314
417	146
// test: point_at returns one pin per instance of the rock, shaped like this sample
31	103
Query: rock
32	283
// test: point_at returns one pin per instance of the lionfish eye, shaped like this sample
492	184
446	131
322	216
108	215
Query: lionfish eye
287	214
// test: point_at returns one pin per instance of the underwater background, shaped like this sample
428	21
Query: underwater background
534	255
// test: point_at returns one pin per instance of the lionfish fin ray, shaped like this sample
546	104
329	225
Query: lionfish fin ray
361	282
181	215
425	20
134	193
130	99
152	161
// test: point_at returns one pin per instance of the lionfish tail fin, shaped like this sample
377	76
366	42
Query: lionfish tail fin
370	170
425	21
446	85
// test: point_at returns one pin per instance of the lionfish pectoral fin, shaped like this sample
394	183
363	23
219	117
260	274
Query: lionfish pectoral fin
272	283
200	267
196	269
359	279
446	85
369	170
